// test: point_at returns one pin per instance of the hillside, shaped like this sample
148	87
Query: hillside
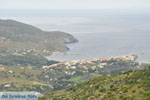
17	37
48	76
126	86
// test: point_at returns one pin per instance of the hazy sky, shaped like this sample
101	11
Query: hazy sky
74	4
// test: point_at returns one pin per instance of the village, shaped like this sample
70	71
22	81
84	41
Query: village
74	62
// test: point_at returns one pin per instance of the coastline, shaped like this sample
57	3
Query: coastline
125	58
68	49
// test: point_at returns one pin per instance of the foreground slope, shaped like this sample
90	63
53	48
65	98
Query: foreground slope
126	86
16	37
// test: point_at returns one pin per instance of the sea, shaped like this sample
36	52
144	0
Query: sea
101	32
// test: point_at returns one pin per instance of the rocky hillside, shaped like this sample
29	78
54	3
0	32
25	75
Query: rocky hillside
18	37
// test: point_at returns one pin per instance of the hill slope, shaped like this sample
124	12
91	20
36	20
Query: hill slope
126	86
24	72
18	37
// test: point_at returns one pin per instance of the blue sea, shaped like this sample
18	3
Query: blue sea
101	33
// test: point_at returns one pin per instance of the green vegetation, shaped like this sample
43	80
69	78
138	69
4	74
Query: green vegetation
20	79
24	77
28	59
11	60
126	86
19	38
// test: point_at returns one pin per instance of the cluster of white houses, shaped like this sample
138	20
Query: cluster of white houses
71	64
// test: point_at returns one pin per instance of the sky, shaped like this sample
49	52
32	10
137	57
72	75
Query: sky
73	4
